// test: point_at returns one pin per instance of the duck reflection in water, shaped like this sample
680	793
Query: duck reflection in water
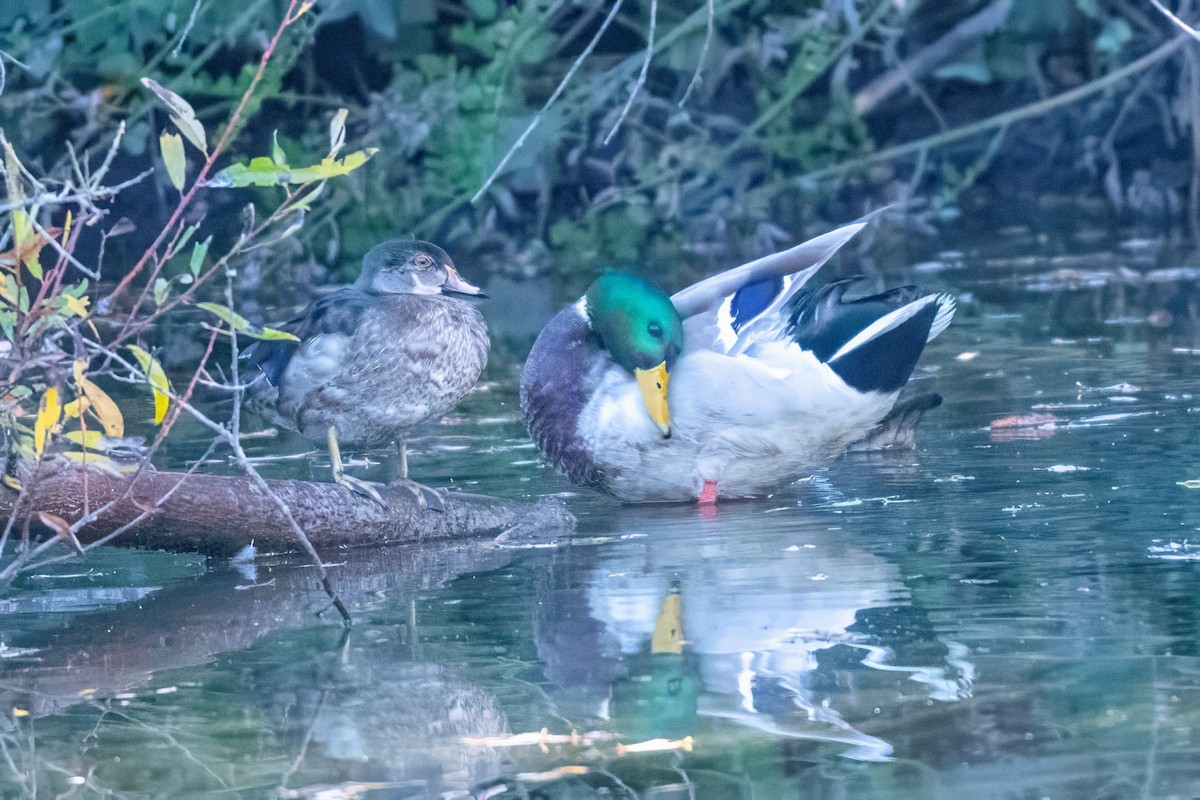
801	644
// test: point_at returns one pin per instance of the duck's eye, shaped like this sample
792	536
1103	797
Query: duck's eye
655	330
423	261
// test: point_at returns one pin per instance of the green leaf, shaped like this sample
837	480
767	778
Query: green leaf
263	171
243	325
182	114
198	254
277	155
185	238
171	146
162	288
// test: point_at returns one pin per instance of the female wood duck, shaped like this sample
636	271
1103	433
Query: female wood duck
377	358
767	377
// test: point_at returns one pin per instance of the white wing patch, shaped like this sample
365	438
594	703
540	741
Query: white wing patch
898	317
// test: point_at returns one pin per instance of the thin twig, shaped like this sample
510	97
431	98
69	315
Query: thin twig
708	35
1183	26
537	119
226	136
1038	108
187	29
641	78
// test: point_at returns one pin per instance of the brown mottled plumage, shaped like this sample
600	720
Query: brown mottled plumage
377	358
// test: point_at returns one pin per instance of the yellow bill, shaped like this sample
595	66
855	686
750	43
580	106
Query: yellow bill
653	383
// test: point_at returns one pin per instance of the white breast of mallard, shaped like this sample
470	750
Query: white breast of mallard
752	422
411	359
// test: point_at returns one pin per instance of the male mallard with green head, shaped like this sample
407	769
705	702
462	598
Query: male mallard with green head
733	387
377	358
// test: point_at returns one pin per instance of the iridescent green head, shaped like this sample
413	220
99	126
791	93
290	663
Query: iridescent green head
640	328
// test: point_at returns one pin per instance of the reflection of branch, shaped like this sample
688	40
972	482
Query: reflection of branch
171	740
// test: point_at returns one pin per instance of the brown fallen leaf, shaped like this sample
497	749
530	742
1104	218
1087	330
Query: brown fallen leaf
1023	426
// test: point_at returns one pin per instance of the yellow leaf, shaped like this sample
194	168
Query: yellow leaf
77	306
11	482
89	440
157	379
49	413
171	145
75	407
101	404
20	712
66	231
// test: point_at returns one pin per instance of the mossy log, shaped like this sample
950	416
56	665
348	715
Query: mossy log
220	514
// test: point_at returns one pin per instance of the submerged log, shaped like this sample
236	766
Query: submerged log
219	515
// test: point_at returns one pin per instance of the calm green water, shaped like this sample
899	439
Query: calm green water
998	615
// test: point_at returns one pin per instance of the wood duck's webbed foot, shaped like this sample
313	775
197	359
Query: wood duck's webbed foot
356	485
361	487
427	497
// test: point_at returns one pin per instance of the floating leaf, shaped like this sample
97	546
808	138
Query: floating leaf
171	146
182	114
99	402
243	325
157	379
337	131
49	413
263	171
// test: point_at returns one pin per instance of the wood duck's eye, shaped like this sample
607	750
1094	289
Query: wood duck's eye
655	330
423	261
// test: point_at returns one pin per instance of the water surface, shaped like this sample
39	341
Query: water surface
1009	611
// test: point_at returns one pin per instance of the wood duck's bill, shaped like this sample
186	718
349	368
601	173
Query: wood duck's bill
455	284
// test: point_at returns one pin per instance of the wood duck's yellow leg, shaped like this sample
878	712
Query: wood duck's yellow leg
340	477
427	497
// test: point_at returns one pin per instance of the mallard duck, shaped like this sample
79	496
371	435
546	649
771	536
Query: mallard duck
377	358
768	377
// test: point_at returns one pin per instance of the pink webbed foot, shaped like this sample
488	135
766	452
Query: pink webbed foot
708	495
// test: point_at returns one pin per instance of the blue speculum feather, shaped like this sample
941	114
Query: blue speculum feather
752	299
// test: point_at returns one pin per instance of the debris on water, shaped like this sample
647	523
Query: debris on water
1104	419
969	355
1194	483
954	479
1023	426
1062	406
1116	388
1058	468
1175	551
1021	507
